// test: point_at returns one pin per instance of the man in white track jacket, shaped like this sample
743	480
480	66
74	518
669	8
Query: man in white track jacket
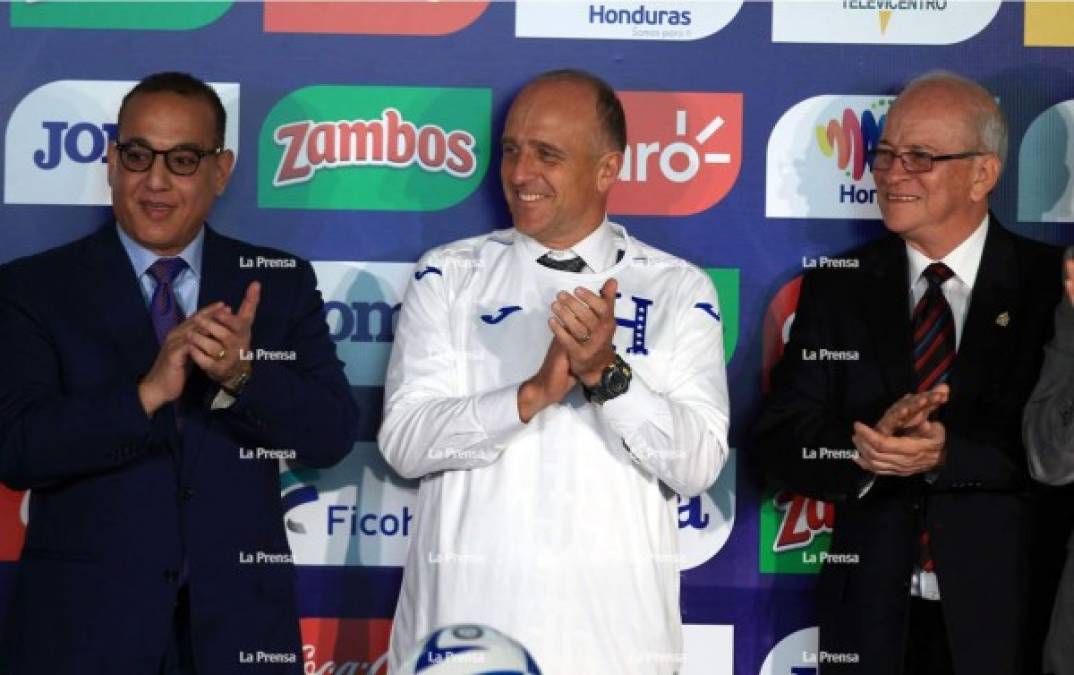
554	386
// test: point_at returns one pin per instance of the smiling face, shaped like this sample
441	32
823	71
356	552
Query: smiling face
557	166
159	210
935	210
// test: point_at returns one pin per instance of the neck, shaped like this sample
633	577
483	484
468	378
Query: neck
945	238
567	240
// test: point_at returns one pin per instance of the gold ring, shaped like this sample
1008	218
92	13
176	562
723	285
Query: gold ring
221	355
585	338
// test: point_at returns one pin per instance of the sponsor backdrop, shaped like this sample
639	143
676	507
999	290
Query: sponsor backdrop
369	134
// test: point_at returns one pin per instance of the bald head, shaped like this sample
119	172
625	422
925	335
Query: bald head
986	128
607	109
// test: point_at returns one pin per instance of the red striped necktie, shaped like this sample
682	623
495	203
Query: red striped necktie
934	330
933	327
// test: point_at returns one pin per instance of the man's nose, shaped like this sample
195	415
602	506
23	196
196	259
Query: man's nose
160	176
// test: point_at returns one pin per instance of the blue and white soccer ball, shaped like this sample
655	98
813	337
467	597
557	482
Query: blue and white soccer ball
469	649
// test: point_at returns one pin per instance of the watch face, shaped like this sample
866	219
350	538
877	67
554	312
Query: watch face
616	382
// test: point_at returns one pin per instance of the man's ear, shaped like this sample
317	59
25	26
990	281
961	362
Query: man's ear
225	162
986	172
608	167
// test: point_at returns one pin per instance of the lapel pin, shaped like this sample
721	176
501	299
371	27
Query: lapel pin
1003	319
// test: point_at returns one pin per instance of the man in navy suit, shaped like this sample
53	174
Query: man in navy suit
154	374
900	397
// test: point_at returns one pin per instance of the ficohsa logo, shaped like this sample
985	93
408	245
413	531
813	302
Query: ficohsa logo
57	140
371	18
1046	167
930	22
359	512
795	530
818	163
614	20
684	152
384	148
705	521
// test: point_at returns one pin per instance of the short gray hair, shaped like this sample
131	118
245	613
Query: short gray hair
989	122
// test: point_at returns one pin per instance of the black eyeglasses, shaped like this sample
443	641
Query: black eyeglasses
914	161
182	160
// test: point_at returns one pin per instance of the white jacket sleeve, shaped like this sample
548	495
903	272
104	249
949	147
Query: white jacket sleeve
680	435
428	426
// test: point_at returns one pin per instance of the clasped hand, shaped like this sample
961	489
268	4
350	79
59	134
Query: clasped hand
214	339
583	326
905	441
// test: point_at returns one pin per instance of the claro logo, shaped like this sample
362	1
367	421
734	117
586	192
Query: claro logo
683	153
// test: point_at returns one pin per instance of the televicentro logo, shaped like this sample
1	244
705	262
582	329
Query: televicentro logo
384	148
684	152
928	22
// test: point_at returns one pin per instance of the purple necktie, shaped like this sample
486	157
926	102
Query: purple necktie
163	308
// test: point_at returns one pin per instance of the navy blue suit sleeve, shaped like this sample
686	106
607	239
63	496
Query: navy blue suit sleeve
802	412
303	405
48	435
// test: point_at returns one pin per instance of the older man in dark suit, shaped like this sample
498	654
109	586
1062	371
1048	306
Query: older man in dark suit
900	397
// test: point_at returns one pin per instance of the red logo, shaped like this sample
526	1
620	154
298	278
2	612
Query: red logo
683	155
371	18
345	646
12	524
803	519
777	327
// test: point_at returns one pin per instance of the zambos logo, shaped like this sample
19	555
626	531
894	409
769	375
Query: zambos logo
133	15
384	148
818	156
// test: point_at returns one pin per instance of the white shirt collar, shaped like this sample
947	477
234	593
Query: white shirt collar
964	260
141	257
599	249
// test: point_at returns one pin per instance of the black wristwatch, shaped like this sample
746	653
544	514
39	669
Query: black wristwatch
614	381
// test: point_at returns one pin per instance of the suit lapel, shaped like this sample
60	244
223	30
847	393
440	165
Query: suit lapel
115	296
886	302
991	322
219	281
